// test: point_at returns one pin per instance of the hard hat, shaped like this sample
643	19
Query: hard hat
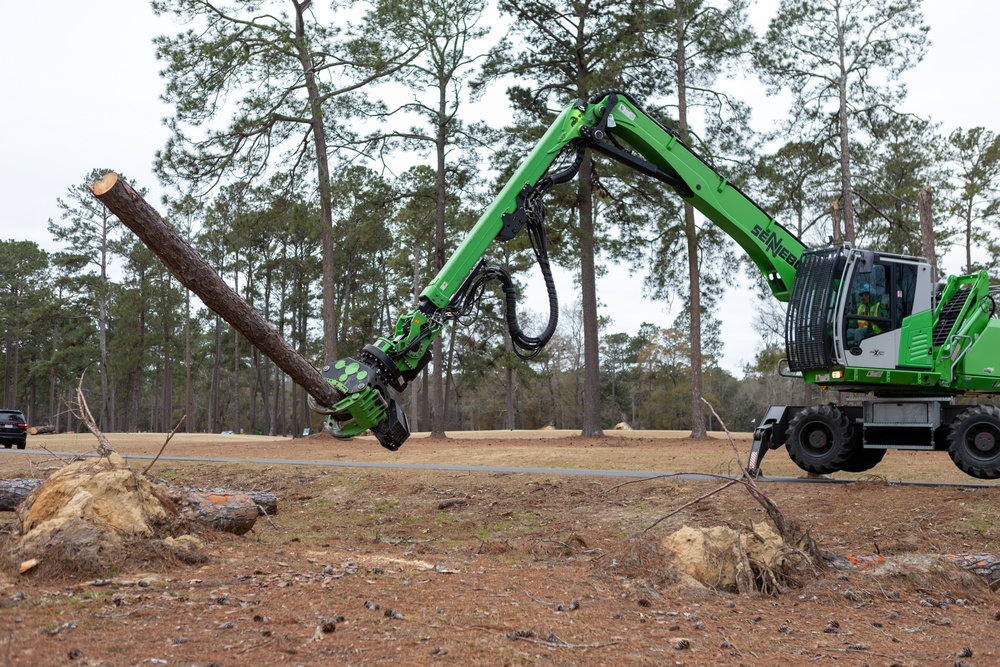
865	289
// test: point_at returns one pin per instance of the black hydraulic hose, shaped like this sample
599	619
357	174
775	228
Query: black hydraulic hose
471	290
531	343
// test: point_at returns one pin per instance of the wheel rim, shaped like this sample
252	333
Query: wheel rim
982	440
817	439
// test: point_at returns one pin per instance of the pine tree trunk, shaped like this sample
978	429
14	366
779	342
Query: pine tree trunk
449	376
214	403
835	218
195	274
318	127
691	233
17	368
425	399
847	197
508	420
188	396
697	388
438	407
255	371
138	375
166	412
278	419
102	326
588	288
52	371
8	367
925	208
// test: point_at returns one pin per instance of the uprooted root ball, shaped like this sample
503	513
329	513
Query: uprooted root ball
92	517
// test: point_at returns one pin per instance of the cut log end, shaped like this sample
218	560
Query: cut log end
104	184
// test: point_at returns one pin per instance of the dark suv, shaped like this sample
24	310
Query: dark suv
13	428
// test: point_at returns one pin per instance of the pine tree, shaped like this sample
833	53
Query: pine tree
92	234
563	51
280	75
975	154
839	59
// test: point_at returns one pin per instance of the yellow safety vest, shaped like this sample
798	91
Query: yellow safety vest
872	311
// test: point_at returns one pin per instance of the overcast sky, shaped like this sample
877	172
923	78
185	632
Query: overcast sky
81	91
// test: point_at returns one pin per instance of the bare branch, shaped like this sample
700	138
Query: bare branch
179	422
83	413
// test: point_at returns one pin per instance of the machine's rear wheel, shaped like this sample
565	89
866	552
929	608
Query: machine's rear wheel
820	439
974	441
864	459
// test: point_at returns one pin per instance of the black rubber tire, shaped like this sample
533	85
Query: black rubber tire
8	445
974	441
22	445
820	439
864	459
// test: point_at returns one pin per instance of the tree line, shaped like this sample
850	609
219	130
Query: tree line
292	127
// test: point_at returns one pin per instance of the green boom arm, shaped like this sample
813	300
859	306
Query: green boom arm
612	124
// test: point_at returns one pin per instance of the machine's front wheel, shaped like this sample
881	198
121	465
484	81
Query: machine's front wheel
974	441
821	439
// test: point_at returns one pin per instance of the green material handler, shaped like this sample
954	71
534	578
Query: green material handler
926	344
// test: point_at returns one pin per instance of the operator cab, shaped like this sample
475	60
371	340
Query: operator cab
847	307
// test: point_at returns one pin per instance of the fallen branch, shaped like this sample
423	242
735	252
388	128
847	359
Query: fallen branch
170	435
789	529
104	447
552	640
693	502
645	479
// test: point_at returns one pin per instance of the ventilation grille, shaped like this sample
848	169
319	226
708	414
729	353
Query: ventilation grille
948	315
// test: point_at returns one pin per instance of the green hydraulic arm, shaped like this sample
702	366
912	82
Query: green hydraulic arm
610	123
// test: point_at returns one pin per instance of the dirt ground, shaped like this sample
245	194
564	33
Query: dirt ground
368	566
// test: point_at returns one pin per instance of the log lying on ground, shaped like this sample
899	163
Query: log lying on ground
14	491
198	276
228	512
265	502
40	430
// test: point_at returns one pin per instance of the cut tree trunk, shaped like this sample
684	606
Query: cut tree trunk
39	430
265	501
228	512
14	491
198	276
